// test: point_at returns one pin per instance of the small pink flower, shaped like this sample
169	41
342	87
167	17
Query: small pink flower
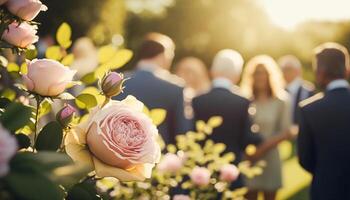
229	173
66	115
47	77
8	148
112	84
22	35
25	9
181	197
170	163
200	176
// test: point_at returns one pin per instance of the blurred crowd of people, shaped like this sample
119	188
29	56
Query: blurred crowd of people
263	103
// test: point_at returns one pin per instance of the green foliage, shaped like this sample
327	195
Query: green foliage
15	116
23	141
84	191
86	101
50	137
63	36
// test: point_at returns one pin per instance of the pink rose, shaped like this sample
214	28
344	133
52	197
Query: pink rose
47	77
170	163
22	35
112	84
8	148
200	176
181	197
25	9
3	1
229	173
118	140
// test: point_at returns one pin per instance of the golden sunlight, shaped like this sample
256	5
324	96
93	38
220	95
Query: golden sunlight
289	13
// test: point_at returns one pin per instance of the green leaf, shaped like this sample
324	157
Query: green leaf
89	78
86	101
54	53
63	35
16	116
66	96
9	94
50	137
45	108
84	191
31	54
24	68
12	67
122	57
106	53
4	102
68	60
33	186
23	141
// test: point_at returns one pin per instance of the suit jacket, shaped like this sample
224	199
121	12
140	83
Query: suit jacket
155	92
324	143
304	91
235	129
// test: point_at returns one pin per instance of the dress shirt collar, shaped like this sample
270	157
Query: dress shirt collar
147	66
222	83
294	85
339	83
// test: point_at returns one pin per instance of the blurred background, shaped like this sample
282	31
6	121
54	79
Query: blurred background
203	27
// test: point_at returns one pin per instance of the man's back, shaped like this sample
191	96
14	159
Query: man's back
234	110
324	143
157	93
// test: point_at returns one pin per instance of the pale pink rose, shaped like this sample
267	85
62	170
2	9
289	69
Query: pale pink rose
3	1
181	197
118	140
170	163
25	9
229	173
47	77
112	84
22	35
200	176
8	148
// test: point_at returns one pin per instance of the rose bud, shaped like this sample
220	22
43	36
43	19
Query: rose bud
229	173
47	77
8	148
3	1
200	176
25	9
118	140
112	84
170	163
22	35
66	115
181	197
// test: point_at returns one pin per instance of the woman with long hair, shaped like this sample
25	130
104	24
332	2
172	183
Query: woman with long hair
263	84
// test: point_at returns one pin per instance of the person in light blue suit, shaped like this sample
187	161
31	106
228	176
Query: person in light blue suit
153	84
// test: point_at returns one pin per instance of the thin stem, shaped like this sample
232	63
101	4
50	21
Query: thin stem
107	99
38	102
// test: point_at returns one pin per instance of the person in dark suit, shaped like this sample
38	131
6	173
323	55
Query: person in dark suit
153	84
297	88
224	100
324	136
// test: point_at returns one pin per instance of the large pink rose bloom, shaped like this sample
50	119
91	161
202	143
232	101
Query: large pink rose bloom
200	176
118	140
22	35
170	163
8	148
229	173
47	77
25	9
